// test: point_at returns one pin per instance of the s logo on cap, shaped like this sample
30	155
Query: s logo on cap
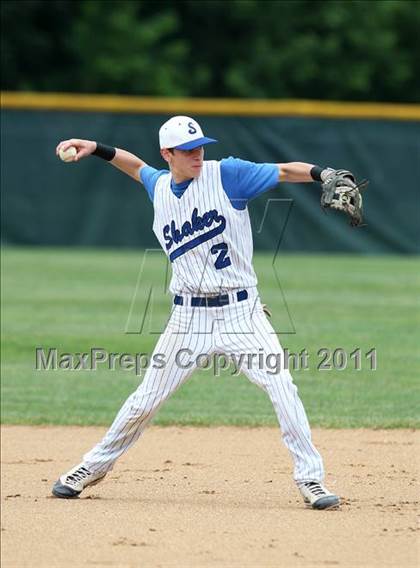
192	129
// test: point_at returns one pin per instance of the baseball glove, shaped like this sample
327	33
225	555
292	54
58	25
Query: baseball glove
341	192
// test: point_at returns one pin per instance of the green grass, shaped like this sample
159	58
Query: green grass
78	299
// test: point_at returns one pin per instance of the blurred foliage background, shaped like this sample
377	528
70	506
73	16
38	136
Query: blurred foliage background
332	50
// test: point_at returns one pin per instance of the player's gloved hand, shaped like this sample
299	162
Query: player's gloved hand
340	191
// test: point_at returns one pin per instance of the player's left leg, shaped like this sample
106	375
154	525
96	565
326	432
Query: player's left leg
245	329
185	337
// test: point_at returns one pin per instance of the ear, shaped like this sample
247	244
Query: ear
166	155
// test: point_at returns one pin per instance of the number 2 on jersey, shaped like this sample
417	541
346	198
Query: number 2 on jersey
222	261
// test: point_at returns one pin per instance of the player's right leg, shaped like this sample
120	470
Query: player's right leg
245	329
180	344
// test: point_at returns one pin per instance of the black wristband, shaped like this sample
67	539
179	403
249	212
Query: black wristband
316	173
105	152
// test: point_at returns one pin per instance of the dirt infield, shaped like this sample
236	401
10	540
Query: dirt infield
192	497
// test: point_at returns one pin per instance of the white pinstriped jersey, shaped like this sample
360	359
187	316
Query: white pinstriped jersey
207	240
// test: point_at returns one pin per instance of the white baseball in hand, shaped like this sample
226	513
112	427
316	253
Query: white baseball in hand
68	155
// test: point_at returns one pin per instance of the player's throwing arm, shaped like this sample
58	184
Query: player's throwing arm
75	149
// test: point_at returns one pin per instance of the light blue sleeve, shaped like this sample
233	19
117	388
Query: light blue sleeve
243	180
148	177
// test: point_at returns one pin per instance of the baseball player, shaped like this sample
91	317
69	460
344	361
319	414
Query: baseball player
202	223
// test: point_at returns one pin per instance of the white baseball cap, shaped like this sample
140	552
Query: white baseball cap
182	133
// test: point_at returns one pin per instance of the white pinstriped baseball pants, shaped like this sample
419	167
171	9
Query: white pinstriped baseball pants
239	327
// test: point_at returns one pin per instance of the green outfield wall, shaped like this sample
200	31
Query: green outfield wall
47	202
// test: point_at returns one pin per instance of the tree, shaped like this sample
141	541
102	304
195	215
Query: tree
322	49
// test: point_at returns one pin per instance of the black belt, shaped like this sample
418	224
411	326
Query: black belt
211	302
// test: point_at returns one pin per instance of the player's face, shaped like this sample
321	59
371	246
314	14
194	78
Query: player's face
185	164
